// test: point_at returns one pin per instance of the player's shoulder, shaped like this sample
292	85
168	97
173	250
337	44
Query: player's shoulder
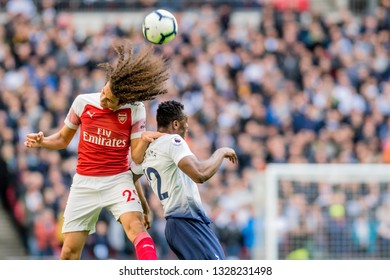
84	99
135	105
174	139
171	145
138	104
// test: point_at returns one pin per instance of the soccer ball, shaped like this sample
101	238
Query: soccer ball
159	27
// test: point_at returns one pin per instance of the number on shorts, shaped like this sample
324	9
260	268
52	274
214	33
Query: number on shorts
129	194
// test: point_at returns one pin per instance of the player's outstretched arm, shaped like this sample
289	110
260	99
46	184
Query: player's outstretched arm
56	141
201	171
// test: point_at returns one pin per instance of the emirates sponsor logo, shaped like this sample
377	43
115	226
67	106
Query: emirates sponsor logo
122	117
103	140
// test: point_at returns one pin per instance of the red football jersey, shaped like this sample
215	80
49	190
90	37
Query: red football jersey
105	135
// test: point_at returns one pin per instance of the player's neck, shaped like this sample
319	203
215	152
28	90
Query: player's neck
164	130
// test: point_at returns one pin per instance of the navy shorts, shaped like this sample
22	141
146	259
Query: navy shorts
192	240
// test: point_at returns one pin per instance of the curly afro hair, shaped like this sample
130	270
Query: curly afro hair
137	76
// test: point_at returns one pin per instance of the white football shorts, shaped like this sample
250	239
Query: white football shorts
90	194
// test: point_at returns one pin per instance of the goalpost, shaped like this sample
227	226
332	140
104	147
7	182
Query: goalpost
326	192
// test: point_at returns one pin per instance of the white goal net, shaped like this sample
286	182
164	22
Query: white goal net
324	211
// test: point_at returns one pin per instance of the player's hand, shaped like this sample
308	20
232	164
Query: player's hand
34	140
150	136
230	154
147	220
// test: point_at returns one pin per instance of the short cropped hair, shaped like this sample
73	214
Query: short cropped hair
169	111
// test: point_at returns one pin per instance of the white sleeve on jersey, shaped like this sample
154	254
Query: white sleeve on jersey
72	120
138	116
178	148
136	168
138	111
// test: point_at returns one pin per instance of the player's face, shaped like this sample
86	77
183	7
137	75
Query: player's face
183	127
107	99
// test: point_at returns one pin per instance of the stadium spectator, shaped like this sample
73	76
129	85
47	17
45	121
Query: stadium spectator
45	232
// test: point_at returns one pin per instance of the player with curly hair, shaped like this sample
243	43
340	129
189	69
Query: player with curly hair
111	122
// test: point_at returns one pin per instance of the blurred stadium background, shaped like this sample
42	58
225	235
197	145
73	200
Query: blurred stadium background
300	88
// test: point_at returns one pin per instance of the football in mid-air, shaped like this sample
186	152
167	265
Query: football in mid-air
159	27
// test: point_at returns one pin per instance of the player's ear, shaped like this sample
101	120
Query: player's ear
175	124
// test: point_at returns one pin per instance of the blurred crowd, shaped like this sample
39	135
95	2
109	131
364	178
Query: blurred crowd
300	87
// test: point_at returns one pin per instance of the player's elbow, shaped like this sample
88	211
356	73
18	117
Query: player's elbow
137	159
199	178
194	169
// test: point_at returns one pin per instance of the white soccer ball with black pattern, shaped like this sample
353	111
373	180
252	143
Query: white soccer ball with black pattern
159	27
